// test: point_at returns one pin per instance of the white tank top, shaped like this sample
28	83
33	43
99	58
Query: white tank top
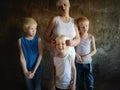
83	48
67	29
62	28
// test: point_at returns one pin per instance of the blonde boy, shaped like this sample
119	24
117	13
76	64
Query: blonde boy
65	72
30	47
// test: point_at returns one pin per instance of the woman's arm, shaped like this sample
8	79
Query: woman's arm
49	30
75	40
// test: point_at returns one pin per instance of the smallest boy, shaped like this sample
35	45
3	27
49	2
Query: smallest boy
65	71
84	52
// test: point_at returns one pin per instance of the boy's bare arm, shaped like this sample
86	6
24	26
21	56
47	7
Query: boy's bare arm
39	57
74	75
53	74
22	58
93	47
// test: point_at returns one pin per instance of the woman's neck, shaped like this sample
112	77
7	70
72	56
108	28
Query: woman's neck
65	18
65	15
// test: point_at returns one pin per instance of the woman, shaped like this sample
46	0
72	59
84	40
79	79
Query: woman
63	24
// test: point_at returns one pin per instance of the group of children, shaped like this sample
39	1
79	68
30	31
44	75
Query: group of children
70	74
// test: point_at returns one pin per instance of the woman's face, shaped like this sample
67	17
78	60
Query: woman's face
64	7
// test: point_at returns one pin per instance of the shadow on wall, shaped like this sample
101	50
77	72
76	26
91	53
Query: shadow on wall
11	74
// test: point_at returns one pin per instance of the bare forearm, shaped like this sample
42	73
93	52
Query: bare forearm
37	63
75	42
48	39
23	65
74	76
92	53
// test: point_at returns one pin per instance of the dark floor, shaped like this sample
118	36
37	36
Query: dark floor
113	84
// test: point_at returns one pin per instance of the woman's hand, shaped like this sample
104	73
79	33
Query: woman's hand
69	42
53	42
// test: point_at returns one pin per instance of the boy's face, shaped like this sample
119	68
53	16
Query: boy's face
31	30
61	46
84	26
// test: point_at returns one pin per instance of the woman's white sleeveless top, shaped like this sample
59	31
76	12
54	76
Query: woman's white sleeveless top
67	29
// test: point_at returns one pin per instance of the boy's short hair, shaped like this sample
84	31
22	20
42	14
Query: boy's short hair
61	37
82	19
60	2
28	21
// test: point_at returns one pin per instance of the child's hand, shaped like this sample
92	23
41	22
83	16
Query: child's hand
29	75
79	58
84	57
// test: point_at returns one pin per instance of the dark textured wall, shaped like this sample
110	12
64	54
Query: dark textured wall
104	24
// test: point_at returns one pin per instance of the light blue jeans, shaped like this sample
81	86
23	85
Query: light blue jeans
35	83
84	77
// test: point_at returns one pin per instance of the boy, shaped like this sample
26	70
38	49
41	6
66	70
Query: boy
30	47
65	72
84	50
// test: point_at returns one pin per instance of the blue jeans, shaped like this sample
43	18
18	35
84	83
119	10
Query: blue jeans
84	77
34	83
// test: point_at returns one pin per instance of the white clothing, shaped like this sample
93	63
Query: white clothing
84	48
67	29
63	71
62	28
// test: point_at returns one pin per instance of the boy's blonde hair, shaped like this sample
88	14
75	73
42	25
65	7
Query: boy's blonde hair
60	2
61	37
82	19
28	21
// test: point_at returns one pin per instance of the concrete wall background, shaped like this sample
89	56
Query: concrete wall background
104	24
